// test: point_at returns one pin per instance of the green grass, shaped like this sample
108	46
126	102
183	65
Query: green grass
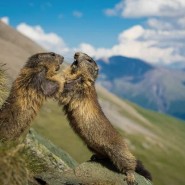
52	124
164	157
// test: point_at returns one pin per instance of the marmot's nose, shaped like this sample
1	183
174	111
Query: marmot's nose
61	59
53	54
77	54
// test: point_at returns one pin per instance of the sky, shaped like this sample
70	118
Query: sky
151	30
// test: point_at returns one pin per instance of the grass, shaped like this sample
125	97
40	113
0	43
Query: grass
168	157
164	157
52	124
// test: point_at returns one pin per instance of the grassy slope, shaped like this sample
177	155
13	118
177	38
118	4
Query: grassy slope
164	157
52	124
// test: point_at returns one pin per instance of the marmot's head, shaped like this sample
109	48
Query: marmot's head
39	73
85	71
85	65
49	61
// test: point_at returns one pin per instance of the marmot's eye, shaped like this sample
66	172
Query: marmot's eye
89	60
52	54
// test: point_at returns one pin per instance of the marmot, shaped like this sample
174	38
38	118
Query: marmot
89	122
37	81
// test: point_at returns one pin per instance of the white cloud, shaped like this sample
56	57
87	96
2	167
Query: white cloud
49	41
161	39
95	52
154	46
5	20
116	10
159	24
150	44
148	8
181	22
87	48
131	34
77	14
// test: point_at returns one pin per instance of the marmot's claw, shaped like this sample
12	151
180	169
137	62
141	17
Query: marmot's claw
130	179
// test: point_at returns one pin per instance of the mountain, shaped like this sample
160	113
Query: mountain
157	88
177	65
118	67
156	139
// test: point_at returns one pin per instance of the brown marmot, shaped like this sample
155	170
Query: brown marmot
89	122
37	81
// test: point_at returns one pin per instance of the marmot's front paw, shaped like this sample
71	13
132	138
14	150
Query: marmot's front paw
130	178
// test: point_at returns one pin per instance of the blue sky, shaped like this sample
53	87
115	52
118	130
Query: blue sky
75	20
152	30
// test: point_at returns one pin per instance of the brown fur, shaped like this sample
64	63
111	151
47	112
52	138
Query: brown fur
37	81
88	120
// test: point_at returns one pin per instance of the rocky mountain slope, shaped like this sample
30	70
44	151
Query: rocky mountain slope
157	88
156	139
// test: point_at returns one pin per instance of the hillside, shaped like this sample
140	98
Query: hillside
157	88
15	48
156	139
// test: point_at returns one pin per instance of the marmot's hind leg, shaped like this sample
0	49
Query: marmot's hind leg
124	161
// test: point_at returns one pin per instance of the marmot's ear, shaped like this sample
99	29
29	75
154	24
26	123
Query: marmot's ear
48	87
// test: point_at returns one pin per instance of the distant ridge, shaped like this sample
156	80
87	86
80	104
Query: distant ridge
157	88
119	66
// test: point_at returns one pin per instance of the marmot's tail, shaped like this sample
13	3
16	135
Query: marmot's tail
140	169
